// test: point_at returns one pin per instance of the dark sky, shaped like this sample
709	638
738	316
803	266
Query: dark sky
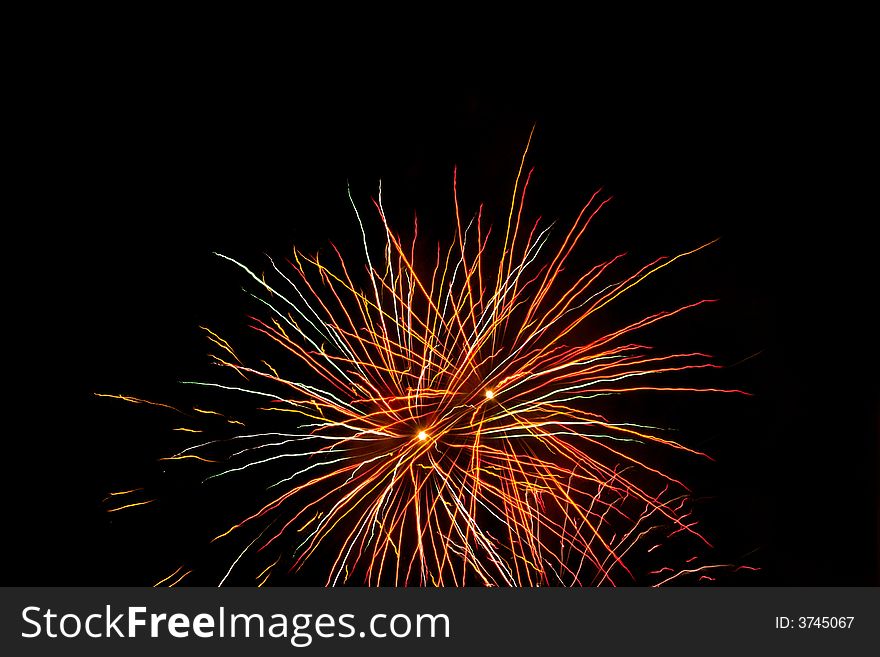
144	173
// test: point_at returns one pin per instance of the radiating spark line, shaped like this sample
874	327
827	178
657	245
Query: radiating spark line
691	571
129	506
165	579
181	457
124	492
138	400
205	412
179	579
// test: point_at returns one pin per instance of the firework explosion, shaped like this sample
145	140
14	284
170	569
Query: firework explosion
449	429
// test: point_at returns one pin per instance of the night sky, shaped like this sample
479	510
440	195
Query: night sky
144	174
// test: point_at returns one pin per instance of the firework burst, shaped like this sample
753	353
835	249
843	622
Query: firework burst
448	427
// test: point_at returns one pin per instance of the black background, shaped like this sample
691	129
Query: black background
138	171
